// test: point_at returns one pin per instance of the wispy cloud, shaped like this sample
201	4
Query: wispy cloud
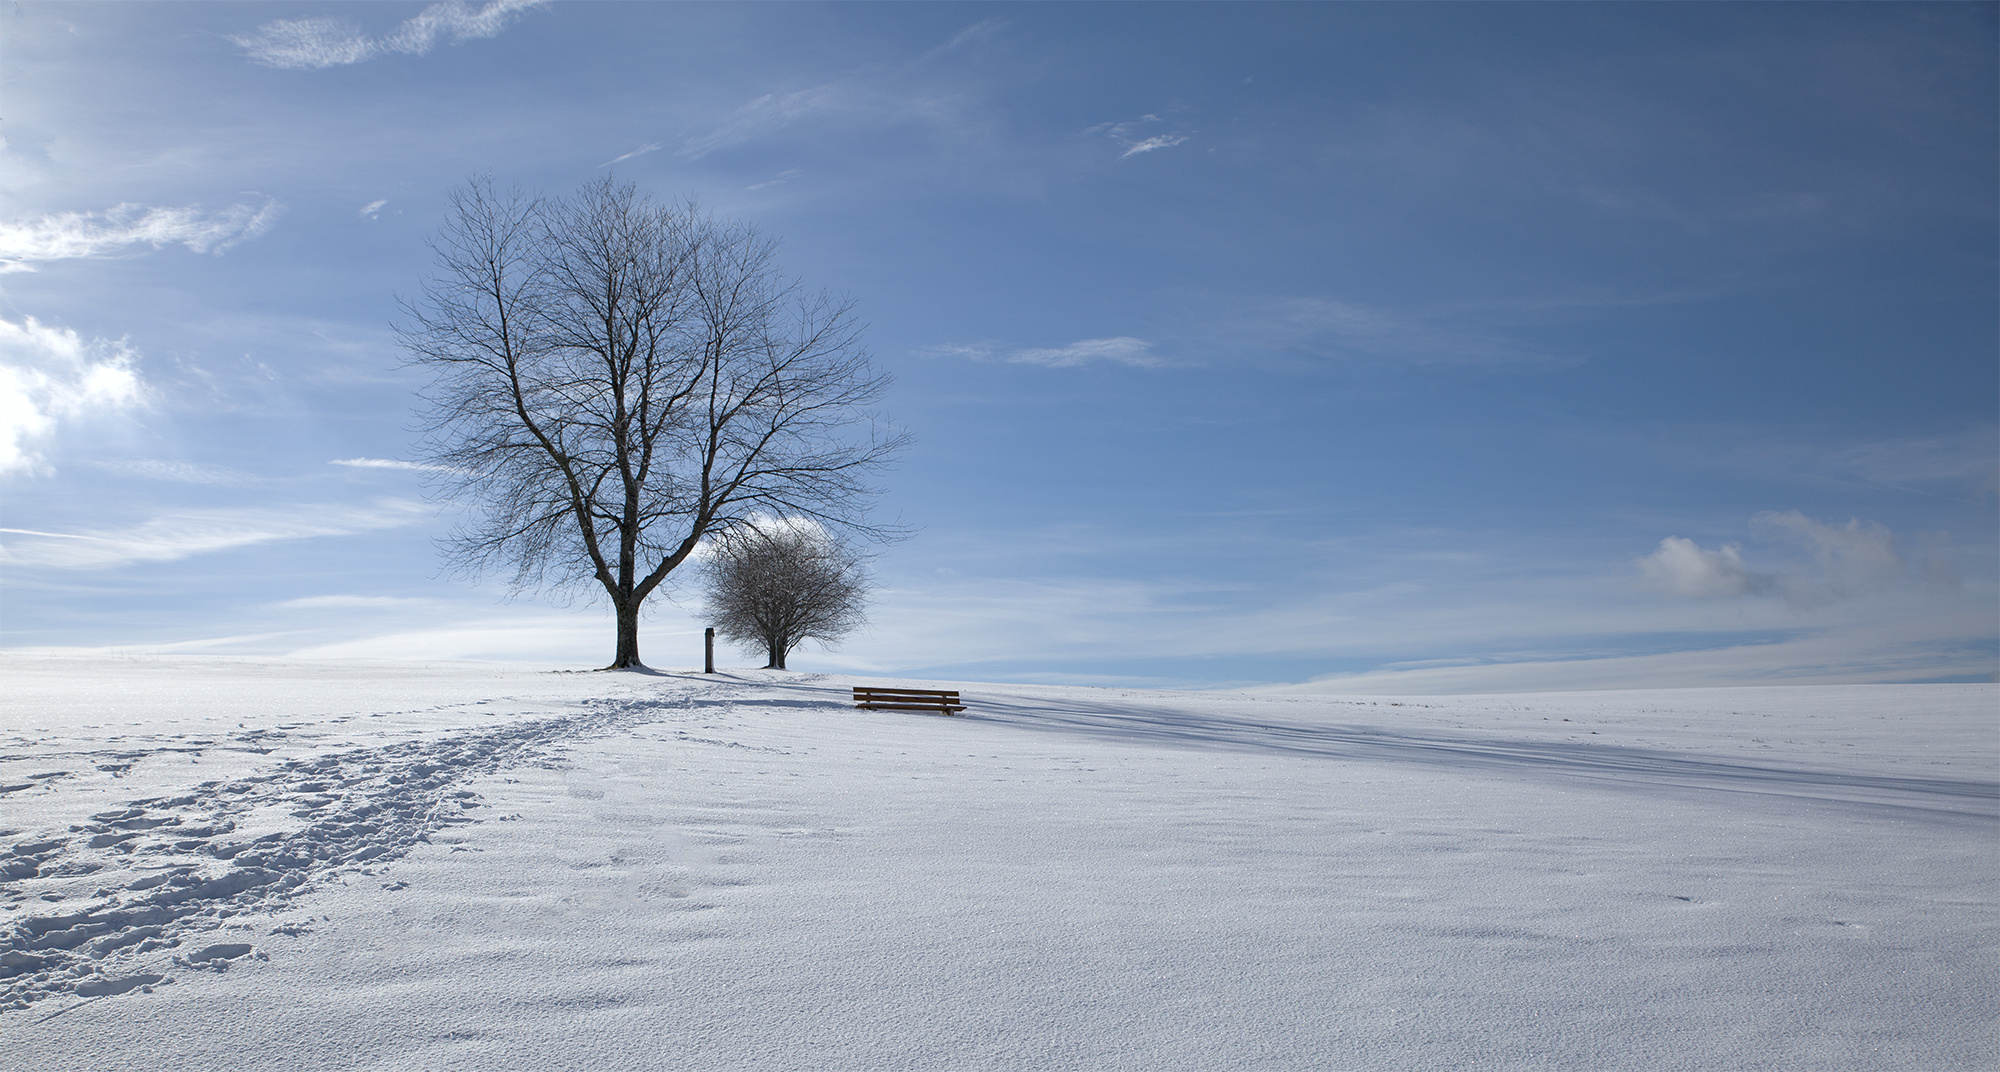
1147	145
177	472
50	374
1333	328
1965	459
315	43
182	535
976	351
1119	350
970	37
308	43
764	114
1962	464
373	208
782	178
387	463
47	535
1132	134
519	638
71	235
649	147
914	92
353	603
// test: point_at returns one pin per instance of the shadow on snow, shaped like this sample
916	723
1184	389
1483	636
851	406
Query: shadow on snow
1110	720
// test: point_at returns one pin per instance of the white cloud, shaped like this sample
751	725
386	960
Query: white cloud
197	532
71	235
1680	567
1131	134
315	43
387	463
370	210
51	374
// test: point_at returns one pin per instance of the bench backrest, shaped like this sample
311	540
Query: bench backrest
871	692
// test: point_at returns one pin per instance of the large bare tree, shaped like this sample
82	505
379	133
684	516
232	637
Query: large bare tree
614	379
774	584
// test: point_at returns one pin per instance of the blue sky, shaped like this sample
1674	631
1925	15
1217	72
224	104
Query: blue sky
1345	347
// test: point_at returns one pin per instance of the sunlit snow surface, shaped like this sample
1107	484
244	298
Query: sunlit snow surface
240	864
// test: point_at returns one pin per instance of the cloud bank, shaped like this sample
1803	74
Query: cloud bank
71	235
1831	562
49	374
315	43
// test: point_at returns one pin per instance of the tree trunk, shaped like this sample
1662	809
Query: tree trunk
777	660
628	638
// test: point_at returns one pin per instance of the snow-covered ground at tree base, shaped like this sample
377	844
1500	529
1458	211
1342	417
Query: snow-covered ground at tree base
243	864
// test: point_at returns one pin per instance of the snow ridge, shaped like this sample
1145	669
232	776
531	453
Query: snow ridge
166	871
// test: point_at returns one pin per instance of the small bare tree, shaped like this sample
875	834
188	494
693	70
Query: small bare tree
774	584
614	379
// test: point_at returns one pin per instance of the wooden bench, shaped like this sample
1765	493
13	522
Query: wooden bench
875	698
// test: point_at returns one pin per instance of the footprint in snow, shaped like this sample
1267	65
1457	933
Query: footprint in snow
170	870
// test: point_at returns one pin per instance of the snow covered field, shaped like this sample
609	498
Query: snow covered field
217	863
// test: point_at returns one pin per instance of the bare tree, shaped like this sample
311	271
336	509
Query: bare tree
614	379
774	584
